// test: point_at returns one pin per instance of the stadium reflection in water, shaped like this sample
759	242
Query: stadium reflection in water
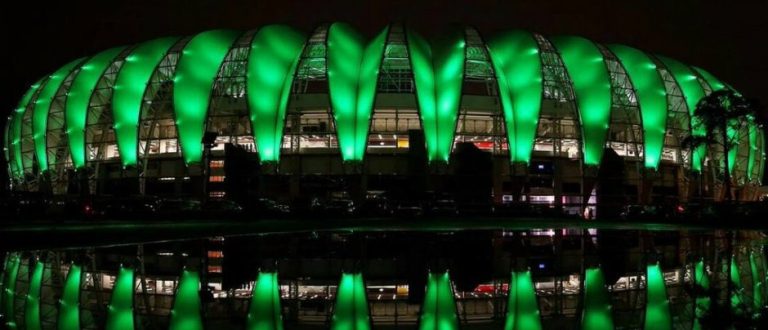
484	279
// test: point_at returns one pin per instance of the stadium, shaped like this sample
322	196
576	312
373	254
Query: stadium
279	112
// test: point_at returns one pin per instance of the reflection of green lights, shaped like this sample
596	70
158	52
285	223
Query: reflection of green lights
522	308
78	99
264	312
701	280
657	314
592	85
275	52
439	309
716	85
438	72
351	309
738	288
32	305
40	112
353	71
692	92
120	309
597	303
516	62
9	290
69	305
128	94
757	283
195	73
14	131
652	99
186	306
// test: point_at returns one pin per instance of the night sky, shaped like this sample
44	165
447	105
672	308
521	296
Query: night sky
726	39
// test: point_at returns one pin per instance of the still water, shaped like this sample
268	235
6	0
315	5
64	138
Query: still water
431	277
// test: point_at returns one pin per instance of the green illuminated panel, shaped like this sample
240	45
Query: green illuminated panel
264	312
438	71
692	92
120	309
78	99
9	290
69	305
186	306
753	149
738	288
32	305
657	314
716	85
353	71
516	61
351	309
40	111
522	308
275	52
652	99
197	68
592	84
597	303
128	94
15	131
439	309
757	283
702	302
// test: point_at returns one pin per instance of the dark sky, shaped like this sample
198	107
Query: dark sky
727	39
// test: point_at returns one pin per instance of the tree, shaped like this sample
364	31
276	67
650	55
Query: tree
721	120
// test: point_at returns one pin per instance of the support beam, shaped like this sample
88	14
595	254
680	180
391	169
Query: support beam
657	313
522	308
32	304
597	313
702	299
9	290
69	304
120	308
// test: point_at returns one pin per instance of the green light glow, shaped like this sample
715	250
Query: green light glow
69	305
275	52
438	71
264	312
439	309
657	314
197	68
757	283
652	99
120	308
353	71
128	94
701	278
753	149
592	84
597	303
692	92
40	112
14	134
738	288
716	85
9	290
522	308
517	64
351	309
186	306
32	305
78	99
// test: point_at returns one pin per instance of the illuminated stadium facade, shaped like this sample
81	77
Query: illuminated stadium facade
333	104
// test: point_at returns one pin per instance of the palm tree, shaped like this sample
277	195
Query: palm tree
722	118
